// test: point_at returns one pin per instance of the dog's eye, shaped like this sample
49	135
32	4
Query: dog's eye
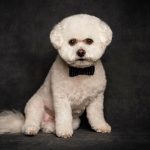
88	41
72	42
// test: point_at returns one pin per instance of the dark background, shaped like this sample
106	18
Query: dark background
26	56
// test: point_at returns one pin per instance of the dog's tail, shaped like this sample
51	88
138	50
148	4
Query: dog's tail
11	122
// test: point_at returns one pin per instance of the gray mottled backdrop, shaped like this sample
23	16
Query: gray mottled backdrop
26	53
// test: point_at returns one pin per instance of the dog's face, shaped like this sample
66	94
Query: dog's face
81	39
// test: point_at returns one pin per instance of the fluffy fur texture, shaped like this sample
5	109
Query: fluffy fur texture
59	102
11	122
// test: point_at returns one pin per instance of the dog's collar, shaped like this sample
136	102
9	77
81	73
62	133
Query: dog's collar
73	71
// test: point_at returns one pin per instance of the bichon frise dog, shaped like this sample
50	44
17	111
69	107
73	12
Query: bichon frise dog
76	82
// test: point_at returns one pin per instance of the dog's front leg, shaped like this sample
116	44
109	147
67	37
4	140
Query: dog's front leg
95	115
63	117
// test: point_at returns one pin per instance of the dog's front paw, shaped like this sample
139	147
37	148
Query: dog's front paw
30	129
104	128
64	133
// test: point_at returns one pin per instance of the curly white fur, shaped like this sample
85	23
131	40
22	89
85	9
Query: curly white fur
59	102
11	122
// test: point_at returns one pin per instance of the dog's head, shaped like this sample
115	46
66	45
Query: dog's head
81	39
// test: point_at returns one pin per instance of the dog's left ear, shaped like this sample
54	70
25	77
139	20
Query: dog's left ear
56	36
105	33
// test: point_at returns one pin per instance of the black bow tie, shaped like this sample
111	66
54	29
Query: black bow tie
81	71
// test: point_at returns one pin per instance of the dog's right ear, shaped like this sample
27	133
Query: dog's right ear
56	36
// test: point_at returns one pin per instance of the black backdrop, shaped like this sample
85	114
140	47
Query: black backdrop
26	53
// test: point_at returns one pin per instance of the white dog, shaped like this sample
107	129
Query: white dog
76	82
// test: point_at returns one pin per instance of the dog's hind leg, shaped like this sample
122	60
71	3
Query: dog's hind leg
35	108
76	123
48	127
48	122
33	112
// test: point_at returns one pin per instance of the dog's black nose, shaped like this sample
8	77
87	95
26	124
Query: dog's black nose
81	52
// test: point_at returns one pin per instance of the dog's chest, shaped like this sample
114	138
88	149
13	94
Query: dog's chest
82	93
78	90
